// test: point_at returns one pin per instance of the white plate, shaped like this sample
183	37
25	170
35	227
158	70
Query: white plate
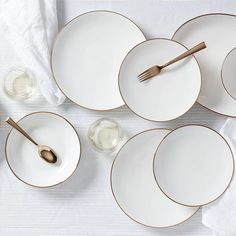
134	186
87	55
47	129
218	31
168	95
193	165
228	73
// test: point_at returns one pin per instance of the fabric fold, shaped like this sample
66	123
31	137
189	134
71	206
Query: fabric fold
220	216
31	27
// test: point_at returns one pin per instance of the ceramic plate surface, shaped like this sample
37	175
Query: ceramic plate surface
218	32
168	95
193	165
87	55
228	73
134	186
47	129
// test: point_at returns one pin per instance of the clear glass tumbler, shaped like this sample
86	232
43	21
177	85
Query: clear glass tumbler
19	83
105	135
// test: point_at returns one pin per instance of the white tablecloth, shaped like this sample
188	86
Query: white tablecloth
84	204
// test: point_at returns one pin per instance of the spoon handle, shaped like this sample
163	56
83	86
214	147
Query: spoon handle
14	125
191	51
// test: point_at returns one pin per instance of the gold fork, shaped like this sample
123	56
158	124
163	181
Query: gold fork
155	70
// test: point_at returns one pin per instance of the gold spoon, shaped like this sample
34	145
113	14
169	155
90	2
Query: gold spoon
45	152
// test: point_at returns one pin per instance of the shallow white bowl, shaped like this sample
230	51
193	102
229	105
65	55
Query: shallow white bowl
47	129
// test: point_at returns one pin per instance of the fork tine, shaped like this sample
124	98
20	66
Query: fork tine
150	70
145	72
149	76
144	76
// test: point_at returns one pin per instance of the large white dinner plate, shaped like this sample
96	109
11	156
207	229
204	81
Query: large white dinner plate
87	55
166	96
47	129
218	32
193	165
134	187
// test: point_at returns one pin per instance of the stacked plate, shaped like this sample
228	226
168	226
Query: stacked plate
96	59
160	178
96	48
218	31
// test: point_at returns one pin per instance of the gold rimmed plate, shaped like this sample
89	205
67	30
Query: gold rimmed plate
87	55
47	128
166	96
193	165
218	31
228	73
134	187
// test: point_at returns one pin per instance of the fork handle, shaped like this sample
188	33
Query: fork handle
14	125
191	51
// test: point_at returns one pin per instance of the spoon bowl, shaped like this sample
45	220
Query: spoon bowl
47	154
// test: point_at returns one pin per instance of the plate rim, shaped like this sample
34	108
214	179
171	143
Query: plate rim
60	32
46	186
221	72
153	39
192	19
232	156
113	194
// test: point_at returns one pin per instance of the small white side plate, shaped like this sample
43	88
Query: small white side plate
193	165
47	129
228	73
134	186
87	55
166	96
